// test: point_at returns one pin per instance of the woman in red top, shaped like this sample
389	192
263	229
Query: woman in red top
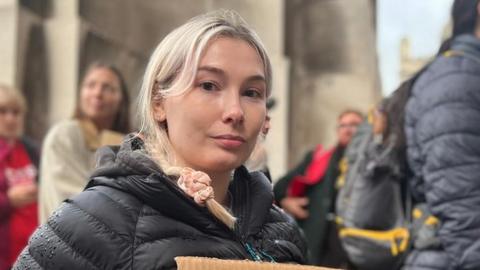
18	173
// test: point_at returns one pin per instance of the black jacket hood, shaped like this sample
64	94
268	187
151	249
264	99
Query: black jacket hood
129	168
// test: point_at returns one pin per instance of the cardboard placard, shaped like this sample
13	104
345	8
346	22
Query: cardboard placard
202	263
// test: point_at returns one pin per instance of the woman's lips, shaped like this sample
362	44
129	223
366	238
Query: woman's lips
229	141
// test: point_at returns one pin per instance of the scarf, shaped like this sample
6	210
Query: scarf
314	172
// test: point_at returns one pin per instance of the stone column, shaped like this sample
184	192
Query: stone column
62	31
8	41
332	48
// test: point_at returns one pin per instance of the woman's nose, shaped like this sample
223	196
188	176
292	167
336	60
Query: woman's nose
98	90
233	110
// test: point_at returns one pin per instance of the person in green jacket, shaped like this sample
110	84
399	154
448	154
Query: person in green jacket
308	193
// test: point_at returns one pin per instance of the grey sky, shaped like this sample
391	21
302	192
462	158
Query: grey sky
422	21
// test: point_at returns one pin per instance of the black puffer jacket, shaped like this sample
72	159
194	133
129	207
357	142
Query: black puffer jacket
131	216
443	137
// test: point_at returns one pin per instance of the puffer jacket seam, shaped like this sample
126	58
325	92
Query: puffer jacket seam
74	250
194	237
99	221
438	170
466	230
152	215
442	103
442	75
458	198
134	239
123	163
117	204
443	134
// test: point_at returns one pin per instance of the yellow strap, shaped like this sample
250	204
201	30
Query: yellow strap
451	53
343	168
339	220
371	114
417	213
392	236
432	221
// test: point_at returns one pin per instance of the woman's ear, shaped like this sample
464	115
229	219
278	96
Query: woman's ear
266	125
158	111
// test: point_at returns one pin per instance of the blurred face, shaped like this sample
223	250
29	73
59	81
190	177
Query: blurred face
347	126
11	120
213	127
100	95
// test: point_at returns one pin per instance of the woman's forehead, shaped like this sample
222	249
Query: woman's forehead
231	53
10	103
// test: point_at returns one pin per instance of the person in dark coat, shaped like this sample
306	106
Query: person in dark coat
308	193
443	147
178	188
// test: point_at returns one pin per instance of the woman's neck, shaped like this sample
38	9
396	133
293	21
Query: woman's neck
8	140
220	183
102	124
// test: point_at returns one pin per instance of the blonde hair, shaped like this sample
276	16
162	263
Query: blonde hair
171	71
12	96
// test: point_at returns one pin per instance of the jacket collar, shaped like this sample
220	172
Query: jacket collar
467	43
130	169
252	200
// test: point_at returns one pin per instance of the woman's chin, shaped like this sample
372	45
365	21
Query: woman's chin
223	165
216	161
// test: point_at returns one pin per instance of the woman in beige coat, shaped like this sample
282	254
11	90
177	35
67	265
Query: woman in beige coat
101	118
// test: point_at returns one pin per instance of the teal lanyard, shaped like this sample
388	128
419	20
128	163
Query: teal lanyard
257	256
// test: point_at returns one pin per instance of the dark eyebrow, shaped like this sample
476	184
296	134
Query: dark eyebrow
222	73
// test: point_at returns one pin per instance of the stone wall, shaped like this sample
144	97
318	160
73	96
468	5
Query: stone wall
331	44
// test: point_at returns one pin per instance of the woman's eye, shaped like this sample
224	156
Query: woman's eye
209	86
252	93
89	85
109	88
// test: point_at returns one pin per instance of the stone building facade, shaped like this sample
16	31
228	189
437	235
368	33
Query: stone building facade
409	65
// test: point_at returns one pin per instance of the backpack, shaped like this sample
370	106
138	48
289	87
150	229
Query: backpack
371	211
373	205
376	223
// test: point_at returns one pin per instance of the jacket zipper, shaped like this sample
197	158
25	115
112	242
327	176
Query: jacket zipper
242	238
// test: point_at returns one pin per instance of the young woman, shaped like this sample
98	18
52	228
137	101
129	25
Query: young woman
179	187
18	175
101	118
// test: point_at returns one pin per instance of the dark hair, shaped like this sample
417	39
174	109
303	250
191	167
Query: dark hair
122	119
464	17
394	109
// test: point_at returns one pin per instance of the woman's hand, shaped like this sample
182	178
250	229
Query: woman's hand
21	195
197	185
